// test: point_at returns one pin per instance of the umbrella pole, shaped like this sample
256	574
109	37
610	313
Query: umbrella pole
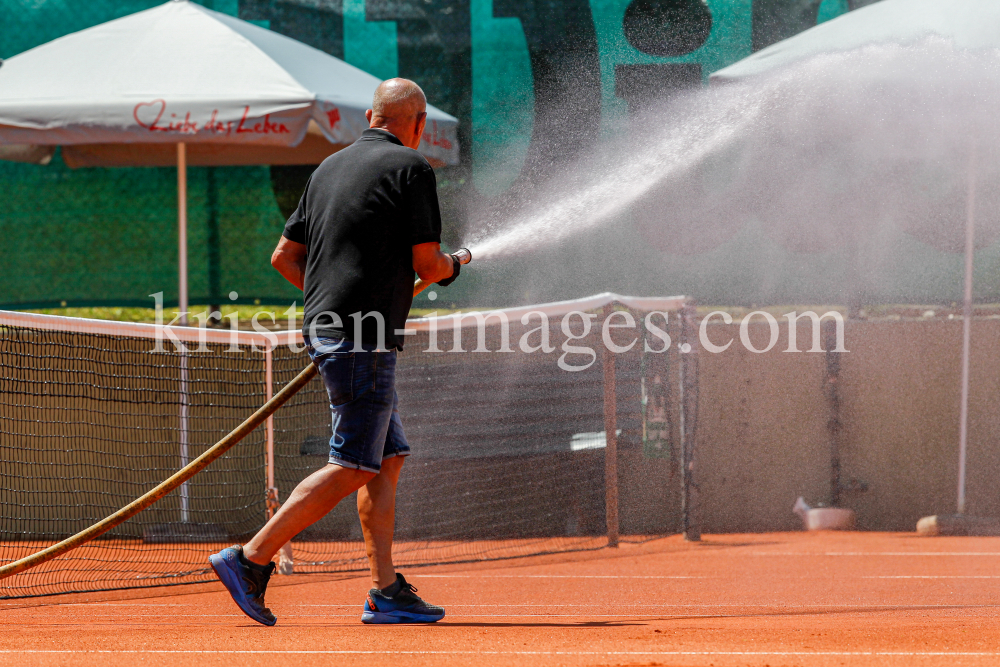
182	286
963	426
182	305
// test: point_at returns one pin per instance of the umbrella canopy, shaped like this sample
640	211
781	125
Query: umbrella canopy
968	24
124	93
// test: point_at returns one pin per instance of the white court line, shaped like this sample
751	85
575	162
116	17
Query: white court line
142	622
662	610
687	605
905	654
677	605
353	605
869	553
933	576
563	576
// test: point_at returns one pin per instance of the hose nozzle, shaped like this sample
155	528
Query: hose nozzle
463	255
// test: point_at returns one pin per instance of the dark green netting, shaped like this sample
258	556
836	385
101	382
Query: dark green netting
109	236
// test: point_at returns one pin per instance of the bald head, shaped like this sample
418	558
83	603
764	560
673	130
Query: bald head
399	107
398	98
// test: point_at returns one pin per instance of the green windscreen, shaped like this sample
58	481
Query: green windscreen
109	236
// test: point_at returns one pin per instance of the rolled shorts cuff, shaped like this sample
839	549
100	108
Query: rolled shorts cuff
345	462
398	452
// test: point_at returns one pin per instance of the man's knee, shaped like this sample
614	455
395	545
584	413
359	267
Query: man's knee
391	467
362	476
357	477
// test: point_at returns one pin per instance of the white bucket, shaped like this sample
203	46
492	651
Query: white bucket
829	518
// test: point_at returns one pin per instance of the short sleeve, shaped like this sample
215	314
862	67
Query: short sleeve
422	204
295	227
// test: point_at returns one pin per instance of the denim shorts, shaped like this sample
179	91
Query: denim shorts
363	403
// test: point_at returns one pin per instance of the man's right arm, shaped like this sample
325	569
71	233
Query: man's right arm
431	264
290	260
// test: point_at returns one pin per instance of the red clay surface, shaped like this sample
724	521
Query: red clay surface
776	600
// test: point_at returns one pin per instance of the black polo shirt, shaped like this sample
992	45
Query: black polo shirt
363	210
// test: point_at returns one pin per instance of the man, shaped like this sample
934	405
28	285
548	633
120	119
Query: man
368	219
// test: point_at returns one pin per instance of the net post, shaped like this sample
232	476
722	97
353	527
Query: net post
688	420
272	490
611	440
183	433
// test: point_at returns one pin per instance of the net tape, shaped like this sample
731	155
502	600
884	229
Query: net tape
507	455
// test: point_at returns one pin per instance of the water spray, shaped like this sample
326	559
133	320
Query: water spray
463	255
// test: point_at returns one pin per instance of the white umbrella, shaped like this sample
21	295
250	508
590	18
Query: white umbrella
967	25
181	84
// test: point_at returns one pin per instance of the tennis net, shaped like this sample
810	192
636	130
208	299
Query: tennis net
509	450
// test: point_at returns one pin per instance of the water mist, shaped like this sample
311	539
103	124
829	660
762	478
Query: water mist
853	164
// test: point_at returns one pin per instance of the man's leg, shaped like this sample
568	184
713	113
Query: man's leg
393	599
311	500
360	388
377	510
245	571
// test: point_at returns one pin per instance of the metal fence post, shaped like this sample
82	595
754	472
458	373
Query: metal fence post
611	440
688	395
833	424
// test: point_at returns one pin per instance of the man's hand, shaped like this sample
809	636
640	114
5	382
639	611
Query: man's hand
290	260
431	264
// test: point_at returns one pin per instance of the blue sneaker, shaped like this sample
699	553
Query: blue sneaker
245	583
403	607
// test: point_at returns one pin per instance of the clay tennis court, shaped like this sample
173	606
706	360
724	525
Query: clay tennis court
775	599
